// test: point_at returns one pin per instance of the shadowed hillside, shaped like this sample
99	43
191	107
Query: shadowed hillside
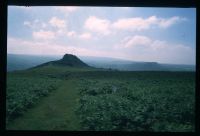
22	62
67	60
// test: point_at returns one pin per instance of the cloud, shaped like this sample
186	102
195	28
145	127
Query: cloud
143	48
145	42
138	23
67	9
44	35
71	34
125	8
27	23
34	47
106	27
54	28
36	24
132	24
136	40
165	23
85	36
22	7
98	25
150	50
56	22
48	48
47	30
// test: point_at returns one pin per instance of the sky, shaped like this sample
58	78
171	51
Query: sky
163	35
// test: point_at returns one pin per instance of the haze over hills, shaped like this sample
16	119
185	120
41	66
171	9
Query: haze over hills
21	62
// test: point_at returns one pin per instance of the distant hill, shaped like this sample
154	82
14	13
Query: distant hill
67	60
127	65
21	62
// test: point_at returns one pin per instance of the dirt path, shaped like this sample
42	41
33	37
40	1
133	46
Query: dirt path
55	112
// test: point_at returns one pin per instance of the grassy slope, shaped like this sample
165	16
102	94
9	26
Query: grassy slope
56	112
163	101
51	113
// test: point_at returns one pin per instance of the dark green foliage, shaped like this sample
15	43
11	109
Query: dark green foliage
106	100
23	92
144	102
71	60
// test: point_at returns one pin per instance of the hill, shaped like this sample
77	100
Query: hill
67	60
21	62
127	65
67	95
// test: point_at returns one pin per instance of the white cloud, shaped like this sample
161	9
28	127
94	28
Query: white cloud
137	40
153	50
71	34
35	24
105	26
54	28
27	23
44	35
56	22
44	25
143	48
48	48
125	8
138	23
98	25
67	9
165	23
85	36
132	24
34	47
21	7
60	32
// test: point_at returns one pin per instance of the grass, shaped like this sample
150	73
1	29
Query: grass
157	102
153	101
55	112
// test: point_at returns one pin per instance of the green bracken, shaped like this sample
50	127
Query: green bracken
94	100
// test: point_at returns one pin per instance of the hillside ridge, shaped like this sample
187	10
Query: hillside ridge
67	60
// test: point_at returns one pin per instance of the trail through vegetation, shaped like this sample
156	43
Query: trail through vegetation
60	99
55	112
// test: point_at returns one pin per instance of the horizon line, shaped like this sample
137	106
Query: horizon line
122	59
